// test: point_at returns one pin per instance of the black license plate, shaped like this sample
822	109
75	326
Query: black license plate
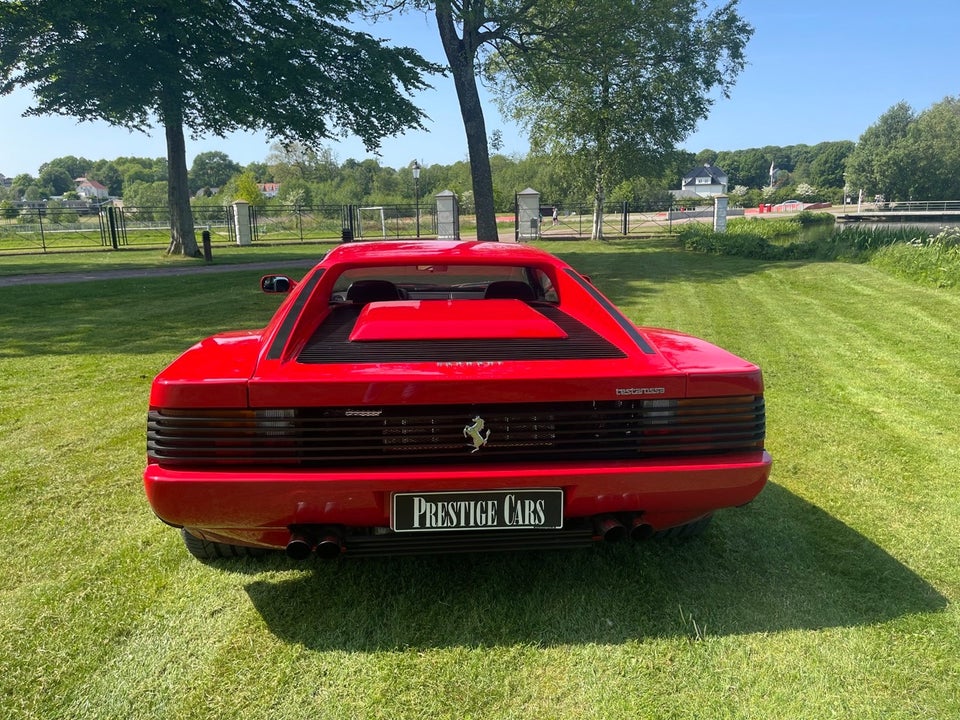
478	510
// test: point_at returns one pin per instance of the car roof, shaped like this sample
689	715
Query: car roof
438	251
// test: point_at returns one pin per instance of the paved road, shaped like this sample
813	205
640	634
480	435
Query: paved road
117	273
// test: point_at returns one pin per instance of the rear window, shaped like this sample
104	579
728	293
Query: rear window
424	282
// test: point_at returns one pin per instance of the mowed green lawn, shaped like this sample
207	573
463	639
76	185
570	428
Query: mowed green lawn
833	595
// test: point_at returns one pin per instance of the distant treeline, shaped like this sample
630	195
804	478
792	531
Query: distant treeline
904	156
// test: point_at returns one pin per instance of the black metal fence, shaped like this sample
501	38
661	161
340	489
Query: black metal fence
299	223
619	218
49	229
295	223
41	228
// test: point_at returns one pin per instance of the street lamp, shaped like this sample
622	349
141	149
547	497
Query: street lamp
416	191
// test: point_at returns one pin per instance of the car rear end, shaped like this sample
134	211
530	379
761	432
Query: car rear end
450	420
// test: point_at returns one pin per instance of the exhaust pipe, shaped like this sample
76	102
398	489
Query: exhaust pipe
299	547
329	546
641	530
610	529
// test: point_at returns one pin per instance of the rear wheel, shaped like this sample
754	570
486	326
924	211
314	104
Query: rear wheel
210	550
683	532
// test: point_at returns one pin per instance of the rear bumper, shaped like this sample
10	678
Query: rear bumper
248	506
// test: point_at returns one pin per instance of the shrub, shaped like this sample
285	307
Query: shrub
906	252
932	260
808	217
749	239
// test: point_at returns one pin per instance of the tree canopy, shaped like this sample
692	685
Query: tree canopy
877	163
910	156
213	66
925	146
211	170
622	83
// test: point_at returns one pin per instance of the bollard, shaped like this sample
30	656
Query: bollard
207	251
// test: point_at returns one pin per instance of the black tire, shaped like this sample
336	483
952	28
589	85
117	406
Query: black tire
210	550
684	532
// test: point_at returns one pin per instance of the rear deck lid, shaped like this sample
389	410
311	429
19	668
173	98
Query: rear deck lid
426	320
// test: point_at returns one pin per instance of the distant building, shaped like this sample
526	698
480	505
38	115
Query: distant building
91	189
269	190
5	181
705	181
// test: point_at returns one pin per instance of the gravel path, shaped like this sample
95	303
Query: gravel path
113	274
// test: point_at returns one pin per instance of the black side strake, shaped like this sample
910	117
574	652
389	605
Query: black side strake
276	347
615	313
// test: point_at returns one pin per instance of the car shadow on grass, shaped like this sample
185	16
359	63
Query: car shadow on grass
779	564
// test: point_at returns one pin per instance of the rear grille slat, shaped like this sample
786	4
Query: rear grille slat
321	437
575	534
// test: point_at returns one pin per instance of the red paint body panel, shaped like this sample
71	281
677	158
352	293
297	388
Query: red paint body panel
451	319
645	376
270	501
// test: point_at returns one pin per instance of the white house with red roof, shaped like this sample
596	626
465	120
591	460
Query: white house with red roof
91	189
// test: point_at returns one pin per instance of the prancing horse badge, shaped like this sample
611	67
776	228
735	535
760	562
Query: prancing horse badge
476	434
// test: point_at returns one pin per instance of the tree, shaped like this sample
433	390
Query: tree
149	195
827	163
748	167
877	164
932	152
260	171
461	51
139	169
56	179
73	166
211	170
469	31
245	188
296	161
57	213
197	63
623	83
295	192
20	184
643	193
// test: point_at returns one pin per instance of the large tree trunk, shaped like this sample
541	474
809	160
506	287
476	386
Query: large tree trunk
461	54
599	194
601	158
596	230
183	239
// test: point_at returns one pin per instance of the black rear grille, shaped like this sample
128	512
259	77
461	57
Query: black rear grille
445	434
575	534
331	344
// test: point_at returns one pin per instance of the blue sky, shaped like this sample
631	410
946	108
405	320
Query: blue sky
818	71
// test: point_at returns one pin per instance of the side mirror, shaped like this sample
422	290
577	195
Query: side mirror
277	284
